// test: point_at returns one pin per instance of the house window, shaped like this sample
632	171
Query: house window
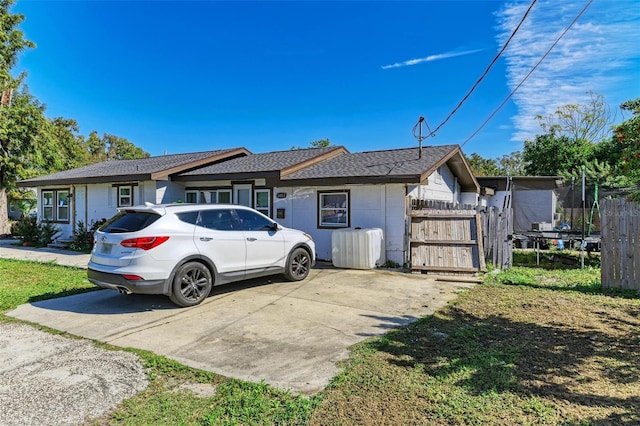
191	197
194	196
55	205
62	206
221	196
263	201
333	209
125	196
47	205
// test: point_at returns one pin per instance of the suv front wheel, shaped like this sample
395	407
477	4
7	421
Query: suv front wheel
298	265
191	284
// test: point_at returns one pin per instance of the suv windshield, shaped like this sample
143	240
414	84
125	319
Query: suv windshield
128	221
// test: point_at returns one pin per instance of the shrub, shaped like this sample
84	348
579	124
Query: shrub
30	232
26	229
46	232
83	236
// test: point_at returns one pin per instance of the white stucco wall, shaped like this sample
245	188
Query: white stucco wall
471	198
168	192
371	206
101	201
441	186
79	207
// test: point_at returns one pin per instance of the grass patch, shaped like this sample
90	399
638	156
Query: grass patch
555	259
24	282
180	395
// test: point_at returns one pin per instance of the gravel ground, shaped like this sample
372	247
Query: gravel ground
47	379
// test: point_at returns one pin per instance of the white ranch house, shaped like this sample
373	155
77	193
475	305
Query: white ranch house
316	190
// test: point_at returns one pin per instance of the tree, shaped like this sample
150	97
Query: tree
121	149
322	143
24	137
481	166
72	149
12	42
507	165
110	147
590	122
512	164
627	137
552	155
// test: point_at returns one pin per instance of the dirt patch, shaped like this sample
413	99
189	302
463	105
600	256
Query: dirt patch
49	379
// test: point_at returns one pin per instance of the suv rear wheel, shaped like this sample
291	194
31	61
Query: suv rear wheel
298	265
191	284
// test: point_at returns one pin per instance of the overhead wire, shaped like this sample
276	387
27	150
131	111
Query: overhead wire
486	71
495	111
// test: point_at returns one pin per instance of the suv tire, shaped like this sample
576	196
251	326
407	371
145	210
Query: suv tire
298	265
191	284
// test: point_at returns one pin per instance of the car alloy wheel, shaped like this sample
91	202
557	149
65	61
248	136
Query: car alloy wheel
191	285
298	265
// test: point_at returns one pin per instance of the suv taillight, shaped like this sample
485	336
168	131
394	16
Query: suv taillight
144	243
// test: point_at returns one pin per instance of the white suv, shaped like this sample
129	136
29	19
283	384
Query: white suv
182	250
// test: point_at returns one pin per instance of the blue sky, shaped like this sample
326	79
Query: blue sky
176	77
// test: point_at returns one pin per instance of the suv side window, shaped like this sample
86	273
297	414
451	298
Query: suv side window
218	219
188	217
251	221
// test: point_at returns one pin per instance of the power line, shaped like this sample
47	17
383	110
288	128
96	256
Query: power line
584	9
486	71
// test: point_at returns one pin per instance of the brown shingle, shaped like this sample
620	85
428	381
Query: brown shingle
395	162
141	168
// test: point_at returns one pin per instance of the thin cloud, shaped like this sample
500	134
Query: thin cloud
430	58
598	54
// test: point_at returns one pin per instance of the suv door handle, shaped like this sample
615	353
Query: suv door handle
251	239
205	239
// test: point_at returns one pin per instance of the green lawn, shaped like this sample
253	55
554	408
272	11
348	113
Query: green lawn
532	345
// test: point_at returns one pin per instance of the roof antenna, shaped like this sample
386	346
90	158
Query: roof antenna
418	127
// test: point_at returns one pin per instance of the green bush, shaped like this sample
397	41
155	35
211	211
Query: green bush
26	229
83	236
30	232
46	232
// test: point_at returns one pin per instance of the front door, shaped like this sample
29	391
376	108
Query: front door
242	194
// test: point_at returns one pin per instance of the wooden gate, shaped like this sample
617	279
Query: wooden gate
446	241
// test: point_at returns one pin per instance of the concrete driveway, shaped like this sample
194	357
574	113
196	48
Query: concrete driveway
289	334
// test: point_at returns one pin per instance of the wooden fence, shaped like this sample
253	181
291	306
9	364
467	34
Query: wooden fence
457	239
620	242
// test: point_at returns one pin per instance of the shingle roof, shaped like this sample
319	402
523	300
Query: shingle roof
395	162
142	168
268	162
